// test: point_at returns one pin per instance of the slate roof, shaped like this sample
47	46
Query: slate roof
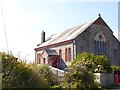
51	52
68	34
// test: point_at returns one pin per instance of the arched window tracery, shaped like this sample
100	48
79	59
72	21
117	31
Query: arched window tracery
100	44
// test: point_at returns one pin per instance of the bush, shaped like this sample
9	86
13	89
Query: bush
18	74
93	63
56	87
45	72
80	72
78	77
116	69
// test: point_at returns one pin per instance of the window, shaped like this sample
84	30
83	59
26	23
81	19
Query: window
66	54
44	60
60	53
38	59
100	44
69	54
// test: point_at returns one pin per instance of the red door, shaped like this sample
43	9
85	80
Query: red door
54	64
54	60
116	76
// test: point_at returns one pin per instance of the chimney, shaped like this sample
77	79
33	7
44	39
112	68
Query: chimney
42	37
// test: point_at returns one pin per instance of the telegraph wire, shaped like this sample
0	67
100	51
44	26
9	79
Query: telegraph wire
4	27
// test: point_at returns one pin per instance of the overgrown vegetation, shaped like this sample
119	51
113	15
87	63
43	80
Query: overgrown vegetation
116	70
45	72
78	77
93	63
81	71
18	74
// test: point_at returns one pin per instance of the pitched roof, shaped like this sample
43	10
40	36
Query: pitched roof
70	34
51	52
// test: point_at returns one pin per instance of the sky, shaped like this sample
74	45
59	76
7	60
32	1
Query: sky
25	19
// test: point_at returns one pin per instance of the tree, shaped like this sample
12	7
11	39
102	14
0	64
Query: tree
93	63
18	74
78	77
80	72
45	72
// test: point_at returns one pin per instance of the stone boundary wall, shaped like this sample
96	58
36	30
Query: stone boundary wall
104	79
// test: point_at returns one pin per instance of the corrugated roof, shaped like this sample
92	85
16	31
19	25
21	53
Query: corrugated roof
68	34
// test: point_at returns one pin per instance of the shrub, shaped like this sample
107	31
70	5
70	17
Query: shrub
93	63
78	77
45	72
18	74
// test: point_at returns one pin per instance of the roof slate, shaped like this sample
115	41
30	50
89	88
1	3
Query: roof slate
51	52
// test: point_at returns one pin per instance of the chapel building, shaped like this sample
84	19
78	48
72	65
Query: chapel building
59	50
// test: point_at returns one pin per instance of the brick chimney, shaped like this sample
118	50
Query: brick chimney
42	37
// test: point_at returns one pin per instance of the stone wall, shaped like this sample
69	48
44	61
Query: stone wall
85	42
104	79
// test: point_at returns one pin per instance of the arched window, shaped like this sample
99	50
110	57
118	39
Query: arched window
43	60
66	54
100	44
60	53
38	59
69	54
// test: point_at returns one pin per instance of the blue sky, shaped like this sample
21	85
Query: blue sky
54	17
25	20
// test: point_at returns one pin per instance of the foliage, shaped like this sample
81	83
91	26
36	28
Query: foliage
93	63
80	72
56	87
78	77
45	72
18	74
116	69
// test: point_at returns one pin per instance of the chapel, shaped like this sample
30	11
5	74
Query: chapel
59	50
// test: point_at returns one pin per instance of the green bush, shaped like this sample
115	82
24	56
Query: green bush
56	87
93	63
116	69
18	74
78	77
45	72
80	72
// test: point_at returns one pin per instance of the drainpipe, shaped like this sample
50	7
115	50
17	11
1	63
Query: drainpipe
74	50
